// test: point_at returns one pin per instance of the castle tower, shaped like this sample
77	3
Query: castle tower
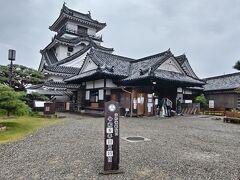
76	34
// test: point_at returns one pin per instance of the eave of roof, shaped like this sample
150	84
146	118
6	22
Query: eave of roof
62	69
93	73
67	13
153	56
167	76
91	44
61	85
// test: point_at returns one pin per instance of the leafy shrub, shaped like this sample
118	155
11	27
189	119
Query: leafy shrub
39	97
11	101
3	112
34	96
202	100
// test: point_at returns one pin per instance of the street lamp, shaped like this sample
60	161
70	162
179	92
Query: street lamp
11	57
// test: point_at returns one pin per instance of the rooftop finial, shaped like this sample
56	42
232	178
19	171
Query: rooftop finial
89	12
64	7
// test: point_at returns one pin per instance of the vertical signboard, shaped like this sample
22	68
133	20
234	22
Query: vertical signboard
111	138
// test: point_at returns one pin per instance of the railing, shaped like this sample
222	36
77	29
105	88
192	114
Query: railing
65	29
67	107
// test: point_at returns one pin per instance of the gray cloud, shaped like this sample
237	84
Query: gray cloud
207	31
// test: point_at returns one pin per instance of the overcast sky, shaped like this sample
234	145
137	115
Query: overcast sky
208	32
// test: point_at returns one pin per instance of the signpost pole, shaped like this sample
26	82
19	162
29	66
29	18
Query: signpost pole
111	138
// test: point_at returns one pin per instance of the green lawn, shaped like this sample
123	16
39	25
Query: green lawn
19	127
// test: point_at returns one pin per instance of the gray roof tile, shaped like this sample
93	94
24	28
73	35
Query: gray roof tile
129	69
62	69
165	75
67	13
107	61
224	82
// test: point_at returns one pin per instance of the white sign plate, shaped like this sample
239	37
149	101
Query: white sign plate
109	130
109	153
111	107
109	142
211	103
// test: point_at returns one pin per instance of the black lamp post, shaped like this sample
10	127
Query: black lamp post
11	57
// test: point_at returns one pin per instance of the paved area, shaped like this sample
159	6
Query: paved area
180	148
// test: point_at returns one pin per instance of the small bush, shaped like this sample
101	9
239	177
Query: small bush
38	97
11	102
202	100
3	112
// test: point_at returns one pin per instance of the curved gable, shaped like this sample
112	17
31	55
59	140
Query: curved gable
88	65
171	65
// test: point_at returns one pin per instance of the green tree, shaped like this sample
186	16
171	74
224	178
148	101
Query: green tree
202	100
22	75
30	98
11	101
237	65
39	97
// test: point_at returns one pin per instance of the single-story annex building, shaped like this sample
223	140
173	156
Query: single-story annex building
223	91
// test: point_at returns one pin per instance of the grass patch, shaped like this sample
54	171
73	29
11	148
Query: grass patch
19	127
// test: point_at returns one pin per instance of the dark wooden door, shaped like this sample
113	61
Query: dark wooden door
140	104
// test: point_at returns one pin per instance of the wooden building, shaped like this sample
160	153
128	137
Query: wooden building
138	84
223	91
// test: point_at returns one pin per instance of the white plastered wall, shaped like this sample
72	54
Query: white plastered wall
76	62
88	66
171	65
72	26
91	31
61	52
99	83
109	83
55	78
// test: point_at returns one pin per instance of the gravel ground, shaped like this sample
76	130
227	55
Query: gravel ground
180	148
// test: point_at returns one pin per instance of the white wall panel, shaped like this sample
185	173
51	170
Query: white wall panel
99	83
89	85
109	83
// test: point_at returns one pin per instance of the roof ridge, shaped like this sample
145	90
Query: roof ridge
88	15
67	8
154	55
182	55
101	47
75	15
124	58
222	76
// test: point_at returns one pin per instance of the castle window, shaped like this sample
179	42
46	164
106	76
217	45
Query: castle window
70	49
82	30
83	44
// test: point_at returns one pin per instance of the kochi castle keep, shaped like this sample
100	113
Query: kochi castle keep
79	70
